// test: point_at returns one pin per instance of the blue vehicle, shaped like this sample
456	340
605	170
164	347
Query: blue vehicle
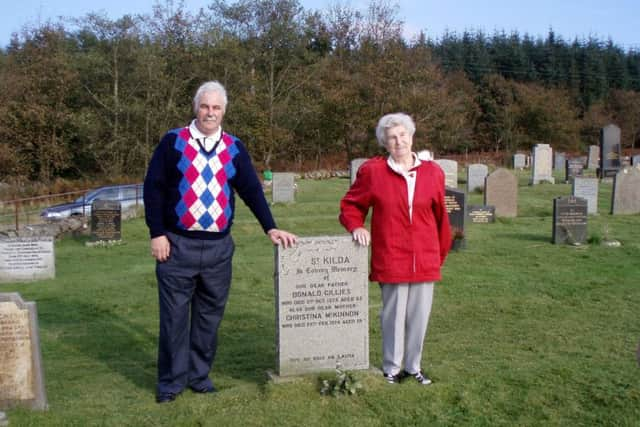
129	196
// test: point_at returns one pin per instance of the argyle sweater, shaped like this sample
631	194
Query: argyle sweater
190	191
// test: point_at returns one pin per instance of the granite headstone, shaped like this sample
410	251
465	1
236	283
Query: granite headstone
355	165
501	191
573	168
106	220
519	161
322	307
625	198
481	214
27	259
558	161
569	220
541	170
476	173
610	151
455	203
593	157
283	187
587	188
21	376
450	168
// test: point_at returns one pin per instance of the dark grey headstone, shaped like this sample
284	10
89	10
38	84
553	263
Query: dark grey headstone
569	220
21	376
573	168
587	188
27	259
476	173
542	171
355	165
481	214
455	203
322	307
283	187
610	151
625	198
501	191
106	220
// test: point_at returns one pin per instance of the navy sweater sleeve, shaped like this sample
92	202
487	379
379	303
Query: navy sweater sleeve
155	187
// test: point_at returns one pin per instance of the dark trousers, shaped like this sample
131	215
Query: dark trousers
193	287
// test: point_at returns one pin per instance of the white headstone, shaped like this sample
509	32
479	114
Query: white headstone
541	169
450	168
587	188
27	259
283	187
476	173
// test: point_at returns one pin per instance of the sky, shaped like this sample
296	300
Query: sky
603	19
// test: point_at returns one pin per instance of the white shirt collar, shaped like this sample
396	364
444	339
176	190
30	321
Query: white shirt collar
207	141
398	169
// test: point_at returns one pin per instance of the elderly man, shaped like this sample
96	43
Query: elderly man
189	207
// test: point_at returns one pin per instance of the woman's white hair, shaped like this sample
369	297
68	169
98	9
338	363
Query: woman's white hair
211	86
391	120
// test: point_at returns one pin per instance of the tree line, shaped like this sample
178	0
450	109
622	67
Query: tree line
92	96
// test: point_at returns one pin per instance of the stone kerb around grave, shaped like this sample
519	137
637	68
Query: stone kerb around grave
322	321
21	375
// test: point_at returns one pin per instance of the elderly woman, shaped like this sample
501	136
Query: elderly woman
410	238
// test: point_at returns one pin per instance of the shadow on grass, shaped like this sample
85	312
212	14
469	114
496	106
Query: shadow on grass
105	335
529	237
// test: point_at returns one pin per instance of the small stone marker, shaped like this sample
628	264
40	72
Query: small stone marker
569	220
355	165
542	166
587	188
519	161
593	157
626	192
283	187
455	204
106	220
476	173
450	168
558	161
610	151
27	259
574	168
21	378
322	305
501	191
481	214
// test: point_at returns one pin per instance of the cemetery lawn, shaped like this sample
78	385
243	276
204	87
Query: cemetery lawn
522	332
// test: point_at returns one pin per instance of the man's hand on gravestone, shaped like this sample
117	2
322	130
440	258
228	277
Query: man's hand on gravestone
281	237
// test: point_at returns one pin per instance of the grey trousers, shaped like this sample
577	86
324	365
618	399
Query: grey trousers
404	319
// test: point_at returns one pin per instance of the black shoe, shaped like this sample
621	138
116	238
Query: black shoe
419	377
392	379
204	389
166	397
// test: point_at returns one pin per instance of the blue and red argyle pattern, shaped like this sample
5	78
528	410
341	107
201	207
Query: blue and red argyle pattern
204	187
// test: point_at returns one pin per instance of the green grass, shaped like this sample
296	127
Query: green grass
523	332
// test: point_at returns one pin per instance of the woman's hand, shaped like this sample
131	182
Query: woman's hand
362	236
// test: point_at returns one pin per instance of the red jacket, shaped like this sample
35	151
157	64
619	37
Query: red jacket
402	250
